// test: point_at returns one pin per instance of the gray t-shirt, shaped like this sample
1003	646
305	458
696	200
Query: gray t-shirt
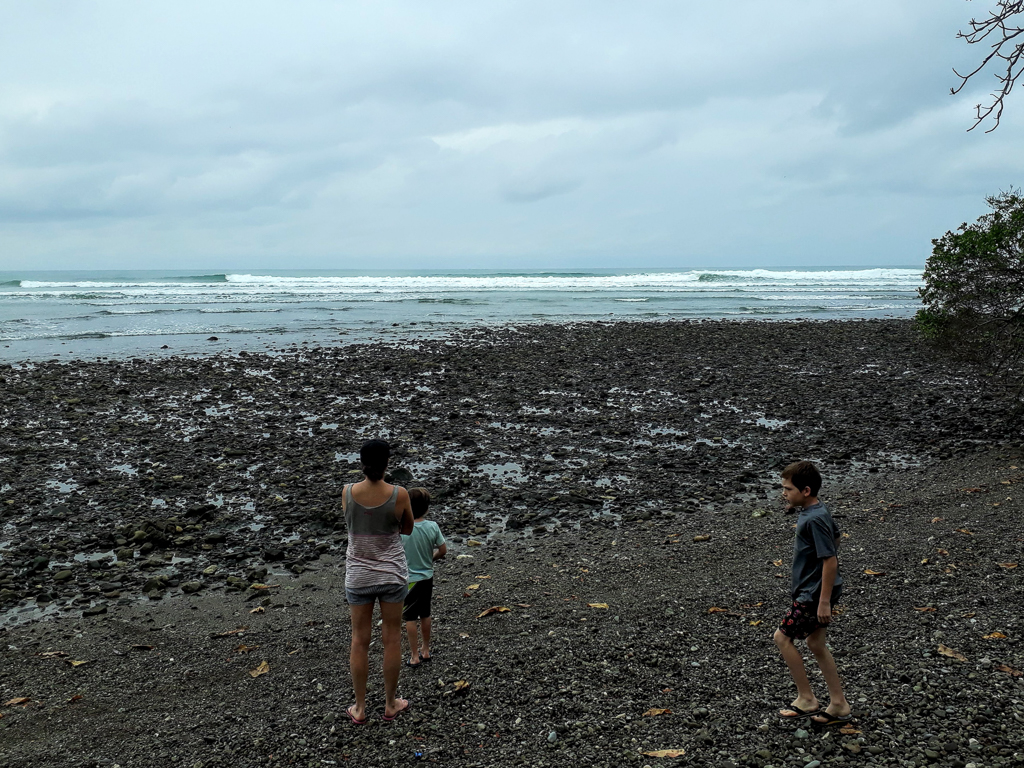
817	538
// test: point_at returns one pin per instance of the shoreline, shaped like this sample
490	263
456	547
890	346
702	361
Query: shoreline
152	493
92	348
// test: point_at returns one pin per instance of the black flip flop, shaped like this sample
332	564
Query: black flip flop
410	664
832	719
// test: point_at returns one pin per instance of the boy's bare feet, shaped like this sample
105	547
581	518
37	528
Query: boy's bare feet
800	708
424	654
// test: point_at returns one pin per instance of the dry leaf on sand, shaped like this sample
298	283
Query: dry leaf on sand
494	609
995	636
715	609
656	712
597	605
666	753
262	669
229	632
17	702
945	650
258	609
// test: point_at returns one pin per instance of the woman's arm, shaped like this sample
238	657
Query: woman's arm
403	511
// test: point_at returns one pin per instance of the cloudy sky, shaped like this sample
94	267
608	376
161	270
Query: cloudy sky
350	135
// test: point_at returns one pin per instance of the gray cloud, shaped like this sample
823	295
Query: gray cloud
497	134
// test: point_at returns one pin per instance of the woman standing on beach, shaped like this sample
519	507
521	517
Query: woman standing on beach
376	513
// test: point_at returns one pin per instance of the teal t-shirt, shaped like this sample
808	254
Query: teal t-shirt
419	549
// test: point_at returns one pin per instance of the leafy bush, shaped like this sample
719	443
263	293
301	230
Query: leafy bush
974	291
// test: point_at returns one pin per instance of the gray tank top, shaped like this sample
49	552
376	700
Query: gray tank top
375	552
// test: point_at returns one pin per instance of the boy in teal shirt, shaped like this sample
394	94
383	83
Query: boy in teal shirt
422	547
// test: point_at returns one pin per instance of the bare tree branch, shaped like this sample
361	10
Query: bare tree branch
1006	49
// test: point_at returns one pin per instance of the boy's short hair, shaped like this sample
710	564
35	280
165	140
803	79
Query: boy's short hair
803	474
420	500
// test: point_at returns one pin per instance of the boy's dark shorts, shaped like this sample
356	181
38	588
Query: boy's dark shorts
417	602
801	620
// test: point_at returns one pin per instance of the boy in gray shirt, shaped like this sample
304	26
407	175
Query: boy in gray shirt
816	588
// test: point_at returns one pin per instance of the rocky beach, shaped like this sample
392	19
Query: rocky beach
172	549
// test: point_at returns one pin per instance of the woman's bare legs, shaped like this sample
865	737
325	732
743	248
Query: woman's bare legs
359	656
391	616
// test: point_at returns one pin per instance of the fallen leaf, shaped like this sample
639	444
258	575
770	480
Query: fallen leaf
756	623
656	712
849	730
481	577
79	663
945	650
704	537
229	632
262	669
1010	670
52	655
995	636
474	543
925	610
714	609
243	648
17	702
942	552
924	561
752	605
869	572
494	609
936	519
143	647
666	753
263	586
970	615
964	530
597	605
1007	565
464	635
292	653
473	586
777	563
258	609
523	605
461	685
73	699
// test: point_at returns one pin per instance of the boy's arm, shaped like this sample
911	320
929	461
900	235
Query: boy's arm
829	567
440	551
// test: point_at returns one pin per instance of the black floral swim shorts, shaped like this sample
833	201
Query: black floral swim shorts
800	621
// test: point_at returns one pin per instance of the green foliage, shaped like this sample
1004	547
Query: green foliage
974	291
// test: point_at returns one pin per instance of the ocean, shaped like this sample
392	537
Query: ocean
142	313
